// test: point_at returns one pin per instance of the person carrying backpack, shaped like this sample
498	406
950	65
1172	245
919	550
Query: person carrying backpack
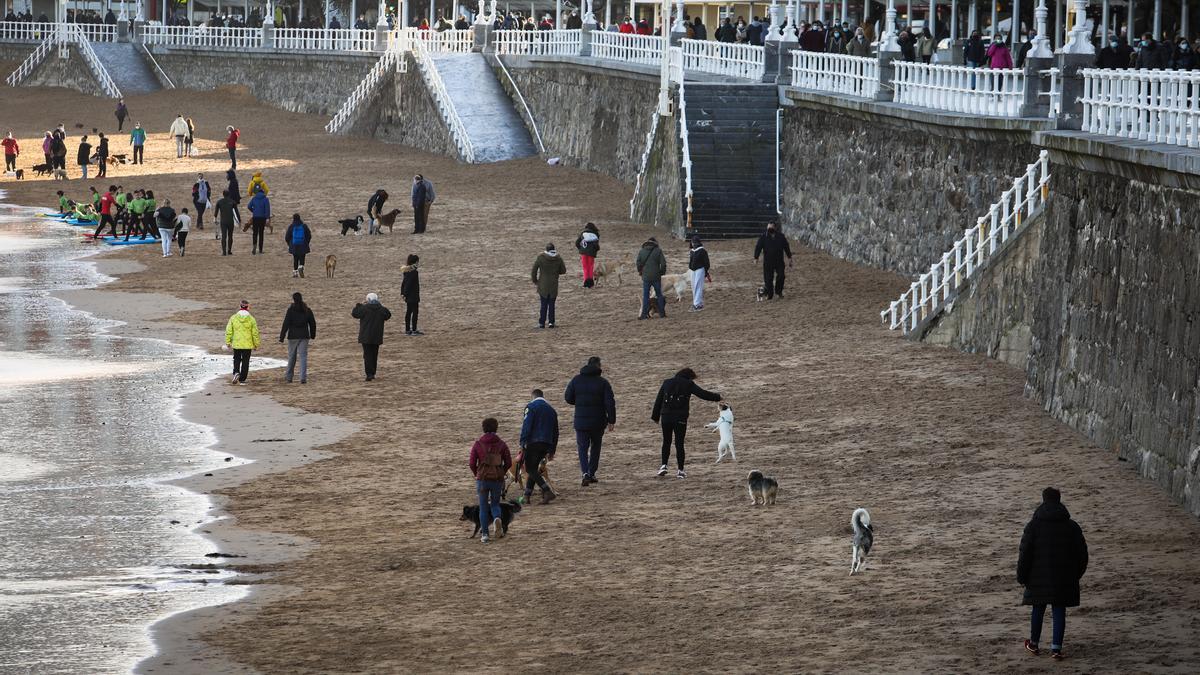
297	237
489	462
588	245
672	408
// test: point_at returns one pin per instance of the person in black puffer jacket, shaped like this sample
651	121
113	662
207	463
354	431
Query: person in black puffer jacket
672	408
299	326
371	317
595	411
410	290
1053	558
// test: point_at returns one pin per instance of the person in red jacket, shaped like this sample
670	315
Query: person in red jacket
11	150
626	26
643	27
490	461
107	204
231	145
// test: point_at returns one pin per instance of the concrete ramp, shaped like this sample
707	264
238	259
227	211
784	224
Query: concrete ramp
494	127
127	67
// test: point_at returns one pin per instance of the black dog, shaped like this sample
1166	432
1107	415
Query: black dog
41	169
508	511
20	174
350	224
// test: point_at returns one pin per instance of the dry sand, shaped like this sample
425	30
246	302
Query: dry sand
635	573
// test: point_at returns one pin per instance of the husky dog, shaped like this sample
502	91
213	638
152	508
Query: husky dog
762	488
864	536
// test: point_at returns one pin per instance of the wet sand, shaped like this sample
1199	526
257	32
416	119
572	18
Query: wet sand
635	573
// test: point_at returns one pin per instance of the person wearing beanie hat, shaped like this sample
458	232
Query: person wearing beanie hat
547	268
371	317
1052	560
699	266
241	334
595	412
299	326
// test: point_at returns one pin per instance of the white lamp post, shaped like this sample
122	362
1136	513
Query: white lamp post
773	33
888	43
1077	40
1041	43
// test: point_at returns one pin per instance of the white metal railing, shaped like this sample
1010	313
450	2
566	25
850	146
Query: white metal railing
21	31
537	135
320	39
686	162
31	62
836	73
153	61
724	58
447	41
977	91
1005	219
1054	96
203	36
539	42
637	184
1158	106
627	48
98	32
74	34
365	89
437	90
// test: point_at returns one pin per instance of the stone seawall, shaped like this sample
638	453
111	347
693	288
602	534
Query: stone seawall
402	111
303	83
889	187
658	197
71	72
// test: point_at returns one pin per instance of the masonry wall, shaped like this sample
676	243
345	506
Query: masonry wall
304	83
404	112
658	196
71	72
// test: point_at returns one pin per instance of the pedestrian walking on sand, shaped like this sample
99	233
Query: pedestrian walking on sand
190	139
201	199
241	334
102	157
164	221
298	237
422	200
547	268
11	150
260	215
410	290
588	245
375	210
371	317
671	409
225	213
257	182
299	326
179	129
183	223
137	138
122	112
652	265
595	411
1053	558
489	462
699	266
231	142
773	246
84	156
539	441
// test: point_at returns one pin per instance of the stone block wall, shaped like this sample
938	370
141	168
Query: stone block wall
303	83
71	72
658	198
403	112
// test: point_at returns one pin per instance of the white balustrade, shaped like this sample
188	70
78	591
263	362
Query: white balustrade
685	143
22	31
724	58
98	32
437	91
31	62
392	58
1157	106
203	36
976	91
320	39
1005	219
836	73
445	42
538	43
84	46
627	48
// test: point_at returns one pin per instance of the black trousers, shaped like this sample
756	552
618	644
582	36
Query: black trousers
241	363
139	154
181	239
370	359
10	162
420	218
106	219
534	454
120	123
233	159
411	310
676	430
773	280
102	167
227	239
258	228
200	206
297	260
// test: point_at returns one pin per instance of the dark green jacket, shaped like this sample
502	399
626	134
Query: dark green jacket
651	263
546	271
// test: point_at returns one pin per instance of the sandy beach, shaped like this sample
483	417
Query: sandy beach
360	563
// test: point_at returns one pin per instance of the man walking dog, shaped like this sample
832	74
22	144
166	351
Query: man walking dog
539	440
595	412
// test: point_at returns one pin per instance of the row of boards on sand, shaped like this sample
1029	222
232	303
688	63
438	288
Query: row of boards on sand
110	240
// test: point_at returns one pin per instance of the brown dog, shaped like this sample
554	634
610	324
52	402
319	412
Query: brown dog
519	475
387	220
330	265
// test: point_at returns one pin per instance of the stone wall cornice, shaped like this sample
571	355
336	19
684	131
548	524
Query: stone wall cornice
1159	164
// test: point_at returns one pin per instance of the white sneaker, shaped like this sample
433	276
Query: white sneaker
498	528
662	470
234	380
484	539
680	474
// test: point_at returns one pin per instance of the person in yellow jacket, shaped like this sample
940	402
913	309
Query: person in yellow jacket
241	334
257	182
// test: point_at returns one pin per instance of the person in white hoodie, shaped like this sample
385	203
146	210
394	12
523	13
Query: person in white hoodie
179	129
698	265
724	425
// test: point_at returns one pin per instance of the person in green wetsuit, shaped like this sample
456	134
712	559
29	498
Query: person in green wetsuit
64	204
137	207
85	213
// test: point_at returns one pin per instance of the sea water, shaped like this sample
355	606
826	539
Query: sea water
94	547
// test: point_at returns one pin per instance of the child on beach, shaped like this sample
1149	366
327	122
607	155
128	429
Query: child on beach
182	224
64	204
724	425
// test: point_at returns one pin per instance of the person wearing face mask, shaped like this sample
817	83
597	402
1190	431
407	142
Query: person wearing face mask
859	46
974	53
925	46
1183	58
741	34
837	43
1116	54
1149	56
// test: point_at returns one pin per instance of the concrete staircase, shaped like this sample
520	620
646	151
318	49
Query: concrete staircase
493	126
731	134
127	67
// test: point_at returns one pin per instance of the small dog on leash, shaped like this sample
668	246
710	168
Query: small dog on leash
864	536
724	425
330	265
508	511
762	488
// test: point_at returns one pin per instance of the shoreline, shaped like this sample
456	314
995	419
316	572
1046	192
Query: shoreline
271	445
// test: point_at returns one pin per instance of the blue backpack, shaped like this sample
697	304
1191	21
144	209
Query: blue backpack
297	234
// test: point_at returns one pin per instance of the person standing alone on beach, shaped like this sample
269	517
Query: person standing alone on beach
588	245
1053	558
490	461
137	138
595	411
122	112
241	334
547	268
772	246
231	142
371	317
422	199
539	440
299	326
410	290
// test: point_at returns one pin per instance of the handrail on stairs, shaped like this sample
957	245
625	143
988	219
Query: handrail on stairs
158	67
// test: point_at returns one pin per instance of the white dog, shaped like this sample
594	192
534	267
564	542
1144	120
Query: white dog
724	425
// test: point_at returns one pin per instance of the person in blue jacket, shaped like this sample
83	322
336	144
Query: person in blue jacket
298	237
260	215
539	440
595	412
